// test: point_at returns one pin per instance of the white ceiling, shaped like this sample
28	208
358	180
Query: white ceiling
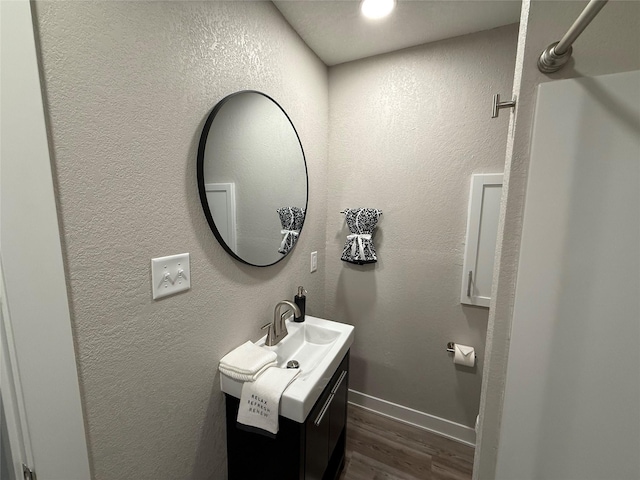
338	33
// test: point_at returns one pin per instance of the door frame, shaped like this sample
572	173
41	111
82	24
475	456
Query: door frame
37	315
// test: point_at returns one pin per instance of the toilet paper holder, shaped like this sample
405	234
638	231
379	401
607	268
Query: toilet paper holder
451	348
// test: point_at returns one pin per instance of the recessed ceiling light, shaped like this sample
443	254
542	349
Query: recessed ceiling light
377	8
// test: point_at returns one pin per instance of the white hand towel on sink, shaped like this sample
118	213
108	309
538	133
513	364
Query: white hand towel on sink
245	377
248	360
260	400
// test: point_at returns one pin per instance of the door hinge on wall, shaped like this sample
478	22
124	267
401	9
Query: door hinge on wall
28	474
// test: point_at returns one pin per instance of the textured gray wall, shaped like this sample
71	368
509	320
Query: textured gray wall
611	44
407	130
128	87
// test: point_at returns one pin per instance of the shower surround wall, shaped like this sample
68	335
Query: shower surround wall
406	132
128	86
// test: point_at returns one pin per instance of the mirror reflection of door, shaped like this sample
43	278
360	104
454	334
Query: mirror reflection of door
222	203
250	148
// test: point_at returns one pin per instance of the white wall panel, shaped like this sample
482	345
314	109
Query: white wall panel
572	400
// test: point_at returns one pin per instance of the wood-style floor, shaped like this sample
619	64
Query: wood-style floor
379	448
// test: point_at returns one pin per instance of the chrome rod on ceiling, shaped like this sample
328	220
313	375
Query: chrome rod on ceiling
558	54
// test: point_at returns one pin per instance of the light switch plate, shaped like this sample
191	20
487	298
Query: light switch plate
170	275
314	261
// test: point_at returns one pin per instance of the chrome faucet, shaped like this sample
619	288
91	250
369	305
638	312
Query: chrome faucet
278	329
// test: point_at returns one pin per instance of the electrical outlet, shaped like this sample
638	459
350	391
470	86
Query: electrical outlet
314	261
170	275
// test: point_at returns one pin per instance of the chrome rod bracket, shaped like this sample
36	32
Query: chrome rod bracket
497	105
550	61
556	55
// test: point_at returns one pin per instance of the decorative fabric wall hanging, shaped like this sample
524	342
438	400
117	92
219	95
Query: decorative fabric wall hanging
359	247
291	219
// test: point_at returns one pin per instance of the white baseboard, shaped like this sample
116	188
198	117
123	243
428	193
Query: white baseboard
440	426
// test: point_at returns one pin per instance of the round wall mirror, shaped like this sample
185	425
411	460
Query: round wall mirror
252	178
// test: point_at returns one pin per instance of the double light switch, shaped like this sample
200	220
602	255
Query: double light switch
170	275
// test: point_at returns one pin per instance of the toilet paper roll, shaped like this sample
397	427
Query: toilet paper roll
464	355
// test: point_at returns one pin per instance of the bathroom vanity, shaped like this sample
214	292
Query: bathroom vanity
310	443
312	450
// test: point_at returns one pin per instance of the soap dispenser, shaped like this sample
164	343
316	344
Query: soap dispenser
300	300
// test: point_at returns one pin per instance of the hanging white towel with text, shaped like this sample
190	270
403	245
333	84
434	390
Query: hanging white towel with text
260	400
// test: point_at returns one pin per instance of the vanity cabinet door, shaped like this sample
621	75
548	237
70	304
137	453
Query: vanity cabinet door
313	450
338	412
325	428
317	437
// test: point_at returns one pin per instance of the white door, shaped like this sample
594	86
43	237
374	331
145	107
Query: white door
37	343
15	444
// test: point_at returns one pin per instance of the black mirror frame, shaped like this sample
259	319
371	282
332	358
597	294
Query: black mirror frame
200	175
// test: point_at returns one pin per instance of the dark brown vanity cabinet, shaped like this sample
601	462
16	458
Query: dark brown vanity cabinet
313	450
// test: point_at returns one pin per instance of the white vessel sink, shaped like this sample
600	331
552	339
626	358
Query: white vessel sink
318	346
